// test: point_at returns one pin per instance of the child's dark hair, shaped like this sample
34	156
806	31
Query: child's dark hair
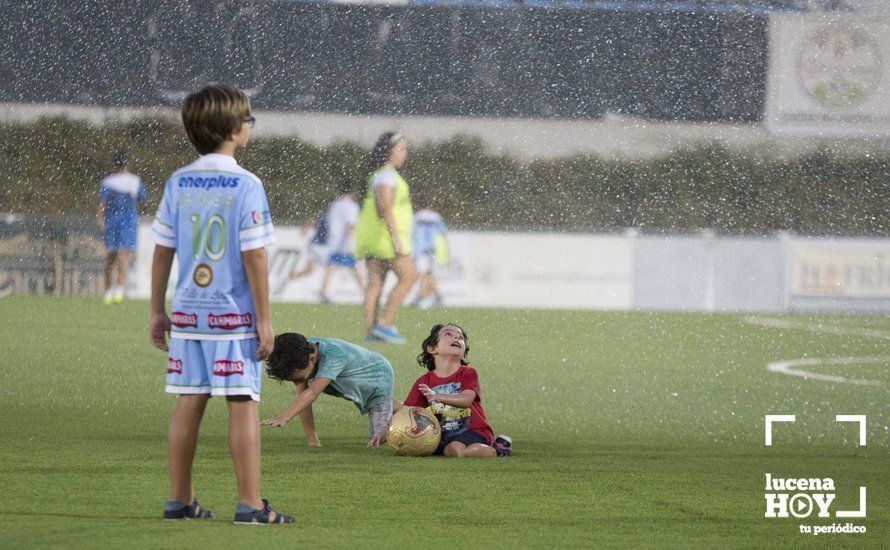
382	149
345	186
425	199
290	354
425	359
121	160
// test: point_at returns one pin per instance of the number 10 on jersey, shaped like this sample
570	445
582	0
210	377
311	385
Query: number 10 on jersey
209	236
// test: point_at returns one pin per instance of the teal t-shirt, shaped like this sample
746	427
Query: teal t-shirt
360	375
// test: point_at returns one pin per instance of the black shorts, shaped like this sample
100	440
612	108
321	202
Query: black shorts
467	438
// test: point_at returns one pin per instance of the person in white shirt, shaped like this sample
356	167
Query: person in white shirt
341	217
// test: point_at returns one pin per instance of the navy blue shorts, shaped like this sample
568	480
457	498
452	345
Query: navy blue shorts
467	438
345	260
120	236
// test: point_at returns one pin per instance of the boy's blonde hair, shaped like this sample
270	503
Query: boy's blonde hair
211	114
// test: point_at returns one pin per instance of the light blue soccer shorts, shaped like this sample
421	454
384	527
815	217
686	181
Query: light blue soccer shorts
425	263
215	367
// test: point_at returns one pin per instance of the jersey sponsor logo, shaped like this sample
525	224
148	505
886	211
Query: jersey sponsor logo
203	275
174	366
213	182
224	367
181	319
256	216
229	321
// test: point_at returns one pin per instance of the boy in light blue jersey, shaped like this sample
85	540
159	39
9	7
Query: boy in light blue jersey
214	217
335	367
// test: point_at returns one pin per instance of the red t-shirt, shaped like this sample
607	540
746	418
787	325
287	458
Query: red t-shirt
464	379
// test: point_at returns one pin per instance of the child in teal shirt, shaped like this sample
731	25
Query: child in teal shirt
335	367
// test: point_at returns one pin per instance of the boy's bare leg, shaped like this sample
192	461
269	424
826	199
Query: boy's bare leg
326	279
244	444
358	279
421	286
426	285
110	261
182	439
310	265
123	265
477	450
376	272
404	268
434	287
379	418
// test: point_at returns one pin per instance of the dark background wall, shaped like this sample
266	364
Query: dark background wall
706	66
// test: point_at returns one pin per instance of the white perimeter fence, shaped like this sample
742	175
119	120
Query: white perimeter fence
624	272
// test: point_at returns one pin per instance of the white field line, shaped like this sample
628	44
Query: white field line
811	327
789	367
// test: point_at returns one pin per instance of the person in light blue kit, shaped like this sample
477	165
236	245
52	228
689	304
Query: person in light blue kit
317	251
215	219
335	367
119	195
431	250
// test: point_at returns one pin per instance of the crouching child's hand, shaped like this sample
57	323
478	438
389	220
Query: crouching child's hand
377	441
278	422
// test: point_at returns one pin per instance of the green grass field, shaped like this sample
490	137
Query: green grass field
630	430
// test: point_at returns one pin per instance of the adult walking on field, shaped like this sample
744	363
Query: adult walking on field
383	236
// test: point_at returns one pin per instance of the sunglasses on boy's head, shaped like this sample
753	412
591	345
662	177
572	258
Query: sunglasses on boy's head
251	121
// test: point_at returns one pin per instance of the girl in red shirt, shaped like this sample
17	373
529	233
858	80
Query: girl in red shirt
451	390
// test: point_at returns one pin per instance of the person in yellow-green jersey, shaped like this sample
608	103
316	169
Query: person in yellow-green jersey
383	237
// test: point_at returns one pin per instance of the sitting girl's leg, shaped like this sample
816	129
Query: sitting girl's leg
455	448
478	450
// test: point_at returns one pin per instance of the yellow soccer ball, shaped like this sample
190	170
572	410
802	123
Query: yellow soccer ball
413	431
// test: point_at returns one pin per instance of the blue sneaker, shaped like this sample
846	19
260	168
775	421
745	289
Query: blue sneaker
389	334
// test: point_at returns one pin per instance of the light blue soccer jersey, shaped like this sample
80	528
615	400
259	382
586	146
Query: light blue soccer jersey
428	226
360	375
212	211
